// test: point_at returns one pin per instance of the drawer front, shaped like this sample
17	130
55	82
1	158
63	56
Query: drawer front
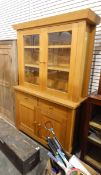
27	99
46	107
53	110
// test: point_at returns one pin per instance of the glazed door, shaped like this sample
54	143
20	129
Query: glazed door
58	60
31	58
60	55
29	65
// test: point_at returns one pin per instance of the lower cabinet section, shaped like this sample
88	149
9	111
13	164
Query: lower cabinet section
36	116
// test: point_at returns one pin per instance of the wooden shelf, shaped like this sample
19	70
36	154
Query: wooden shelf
32	65
31	47
93	156
59	46
93	161
93	138
59	68
95	125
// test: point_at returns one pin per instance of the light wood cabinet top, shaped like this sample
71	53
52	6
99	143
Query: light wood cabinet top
85	14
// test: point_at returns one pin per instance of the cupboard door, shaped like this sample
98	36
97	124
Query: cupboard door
58	61
25	113
31	58
30	61
47	121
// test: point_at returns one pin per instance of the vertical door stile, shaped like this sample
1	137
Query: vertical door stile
43	58
73	59
20	58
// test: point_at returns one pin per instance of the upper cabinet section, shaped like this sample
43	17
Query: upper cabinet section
55	54
46	57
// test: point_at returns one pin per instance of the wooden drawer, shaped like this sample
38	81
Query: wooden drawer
53	110
32	101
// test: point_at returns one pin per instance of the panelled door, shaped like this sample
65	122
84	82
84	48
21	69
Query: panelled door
25	113
6	96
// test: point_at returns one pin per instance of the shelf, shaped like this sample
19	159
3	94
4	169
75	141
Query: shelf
93	138
93	161
59	46
31	47
32	65
93	156
58	68
95	125
96	121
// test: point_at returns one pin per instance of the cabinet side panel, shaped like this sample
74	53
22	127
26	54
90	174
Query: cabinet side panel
79	62
89	56
70	130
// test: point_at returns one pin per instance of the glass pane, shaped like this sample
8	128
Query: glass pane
31	56
31	40
32	75
58	80
59	38
58	57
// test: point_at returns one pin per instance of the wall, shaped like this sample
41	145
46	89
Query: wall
16	11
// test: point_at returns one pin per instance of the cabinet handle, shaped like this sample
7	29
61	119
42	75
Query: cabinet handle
42	62
39	124
39	130
50	107
34	123
38	102
26	98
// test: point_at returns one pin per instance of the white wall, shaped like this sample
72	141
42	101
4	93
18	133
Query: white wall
16	11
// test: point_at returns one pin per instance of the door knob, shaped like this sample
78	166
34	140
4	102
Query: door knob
39	124
34	123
